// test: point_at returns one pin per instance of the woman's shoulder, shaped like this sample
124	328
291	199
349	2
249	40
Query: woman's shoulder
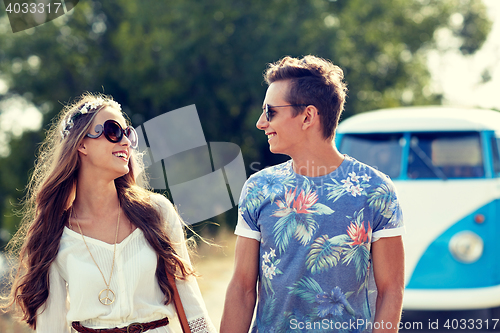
161	200
165	207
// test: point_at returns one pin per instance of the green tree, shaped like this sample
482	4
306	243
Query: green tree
156	56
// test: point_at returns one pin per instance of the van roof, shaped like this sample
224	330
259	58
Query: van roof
421	119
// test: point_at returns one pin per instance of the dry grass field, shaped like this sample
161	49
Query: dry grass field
214	264
7	325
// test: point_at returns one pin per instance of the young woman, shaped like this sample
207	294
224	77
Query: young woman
95	247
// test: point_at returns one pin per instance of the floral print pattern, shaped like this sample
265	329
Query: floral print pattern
269	268
316	236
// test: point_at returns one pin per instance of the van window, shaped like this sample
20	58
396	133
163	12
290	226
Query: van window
445	155
495	147
381	151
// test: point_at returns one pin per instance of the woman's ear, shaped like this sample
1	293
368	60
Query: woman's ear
82	148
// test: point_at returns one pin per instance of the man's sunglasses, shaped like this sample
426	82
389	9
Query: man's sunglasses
268	109
114	132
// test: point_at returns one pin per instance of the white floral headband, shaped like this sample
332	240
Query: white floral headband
67	124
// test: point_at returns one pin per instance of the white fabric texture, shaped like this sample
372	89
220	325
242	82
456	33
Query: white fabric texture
75	283
243	229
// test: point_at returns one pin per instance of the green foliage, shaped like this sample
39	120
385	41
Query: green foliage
306	289
361	256
474	29
13	178
284	229
323	255
156	56
381	199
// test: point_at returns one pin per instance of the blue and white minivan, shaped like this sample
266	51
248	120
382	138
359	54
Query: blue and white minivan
445	164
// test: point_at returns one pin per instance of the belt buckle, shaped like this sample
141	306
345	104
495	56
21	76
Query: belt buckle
139	325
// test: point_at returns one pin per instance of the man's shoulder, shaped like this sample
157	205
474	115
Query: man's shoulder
272	171
357	168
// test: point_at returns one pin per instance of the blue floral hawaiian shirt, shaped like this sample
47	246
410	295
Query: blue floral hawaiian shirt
315	237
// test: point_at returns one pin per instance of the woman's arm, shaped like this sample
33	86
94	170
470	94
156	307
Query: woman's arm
189	292
51	317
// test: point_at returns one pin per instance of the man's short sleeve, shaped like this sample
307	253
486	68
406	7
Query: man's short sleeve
248	207
389	217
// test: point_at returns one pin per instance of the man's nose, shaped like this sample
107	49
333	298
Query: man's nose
262	122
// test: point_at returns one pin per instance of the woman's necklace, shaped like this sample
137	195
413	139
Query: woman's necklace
106	296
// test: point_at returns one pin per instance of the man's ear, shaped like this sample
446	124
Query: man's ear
82	148
311	116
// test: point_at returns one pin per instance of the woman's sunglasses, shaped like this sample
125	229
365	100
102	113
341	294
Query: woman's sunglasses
114	132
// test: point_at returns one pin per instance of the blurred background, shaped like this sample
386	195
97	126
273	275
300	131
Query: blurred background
158	56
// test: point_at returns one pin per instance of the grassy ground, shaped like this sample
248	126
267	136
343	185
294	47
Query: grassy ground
9	326
213	263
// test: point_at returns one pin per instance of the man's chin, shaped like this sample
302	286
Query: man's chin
276	150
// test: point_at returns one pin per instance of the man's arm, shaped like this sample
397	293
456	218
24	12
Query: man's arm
241	293
388	269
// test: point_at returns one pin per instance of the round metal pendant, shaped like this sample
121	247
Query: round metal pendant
107	296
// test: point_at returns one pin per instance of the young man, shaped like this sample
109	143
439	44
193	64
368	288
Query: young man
321	233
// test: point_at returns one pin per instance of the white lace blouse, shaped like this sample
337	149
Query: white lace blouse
75	283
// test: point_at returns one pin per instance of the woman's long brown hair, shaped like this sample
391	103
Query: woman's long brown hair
50	194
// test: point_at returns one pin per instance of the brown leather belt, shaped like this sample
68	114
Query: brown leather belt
132	328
